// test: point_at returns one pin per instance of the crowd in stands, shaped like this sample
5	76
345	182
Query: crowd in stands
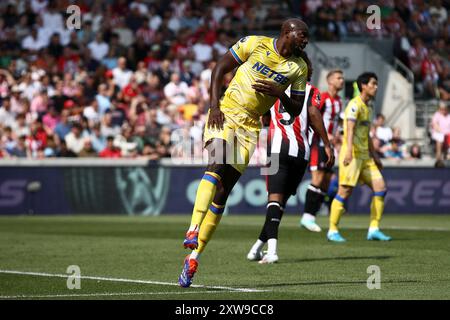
133	80
421	32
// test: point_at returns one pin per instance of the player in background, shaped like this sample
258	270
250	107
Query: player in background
330	108
358	162
265	68
290	144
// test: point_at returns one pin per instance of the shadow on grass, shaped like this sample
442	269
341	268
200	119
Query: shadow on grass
285	261
318	283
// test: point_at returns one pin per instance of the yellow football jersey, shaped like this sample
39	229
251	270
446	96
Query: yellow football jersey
259	59
358	111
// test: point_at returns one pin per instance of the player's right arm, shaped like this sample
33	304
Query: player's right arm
226	64
315	118
236	56
350	134
351	115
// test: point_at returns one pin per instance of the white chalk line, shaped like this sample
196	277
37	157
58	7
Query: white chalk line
55	275
106	294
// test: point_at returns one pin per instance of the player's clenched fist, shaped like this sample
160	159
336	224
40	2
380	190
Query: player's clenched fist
267	87
216	118
348	158
330	156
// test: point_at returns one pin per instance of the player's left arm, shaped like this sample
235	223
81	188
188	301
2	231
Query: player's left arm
374	154
316	122
293	105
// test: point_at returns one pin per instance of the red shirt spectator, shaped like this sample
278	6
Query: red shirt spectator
110	150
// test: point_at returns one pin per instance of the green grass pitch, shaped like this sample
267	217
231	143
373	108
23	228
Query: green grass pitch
415	265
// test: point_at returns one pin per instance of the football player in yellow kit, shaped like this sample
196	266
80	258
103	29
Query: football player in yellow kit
358	161
265	68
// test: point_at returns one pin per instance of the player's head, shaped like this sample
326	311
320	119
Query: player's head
368	84
294	33
335	79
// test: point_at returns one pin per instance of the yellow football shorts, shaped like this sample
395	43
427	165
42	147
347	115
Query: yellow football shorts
358	171
240	131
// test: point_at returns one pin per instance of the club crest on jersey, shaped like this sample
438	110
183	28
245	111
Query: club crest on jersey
267	53
271	74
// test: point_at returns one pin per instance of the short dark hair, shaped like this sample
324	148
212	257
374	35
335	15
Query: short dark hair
333	71
364	78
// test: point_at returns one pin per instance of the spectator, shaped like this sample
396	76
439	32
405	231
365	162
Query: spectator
64	152
7	117
176	90
63	127
91	112
37	140
74	140
382	132
394	151
121	74
104	98
110	150
430	74
98	141
440	130
125	143
415	152
88	150
51	120
32	42
20	149
99	48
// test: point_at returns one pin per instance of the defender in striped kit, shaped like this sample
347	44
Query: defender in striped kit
290	143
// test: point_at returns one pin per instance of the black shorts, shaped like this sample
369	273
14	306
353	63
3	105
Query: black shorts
289	175
318	159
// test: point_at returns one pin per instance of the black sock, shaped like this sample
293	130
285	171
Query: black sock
314	199
273	219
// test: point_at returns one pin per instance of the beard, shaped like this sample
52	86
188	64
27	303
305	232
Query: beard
297	51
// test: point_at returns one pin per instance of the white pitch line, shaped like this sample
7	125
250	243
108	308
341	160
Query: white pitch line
40	274
105	294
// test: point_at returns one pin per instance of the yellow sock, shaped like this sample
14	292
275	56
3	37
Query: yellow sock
337	210
205	194
376	209
209	225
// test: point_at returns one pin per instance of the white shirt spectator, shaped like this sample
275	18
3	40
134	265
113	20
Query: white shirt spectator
73	143
203	52
176	91
384	134
142	7
39	6
174	24
122	77
218	12
7	118
220	48
91	114
33	44
205	77
99	50
126	36
155	22
53	20
441	11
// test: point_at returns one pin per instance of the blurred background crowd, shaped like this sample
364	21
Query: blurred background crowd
134	80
